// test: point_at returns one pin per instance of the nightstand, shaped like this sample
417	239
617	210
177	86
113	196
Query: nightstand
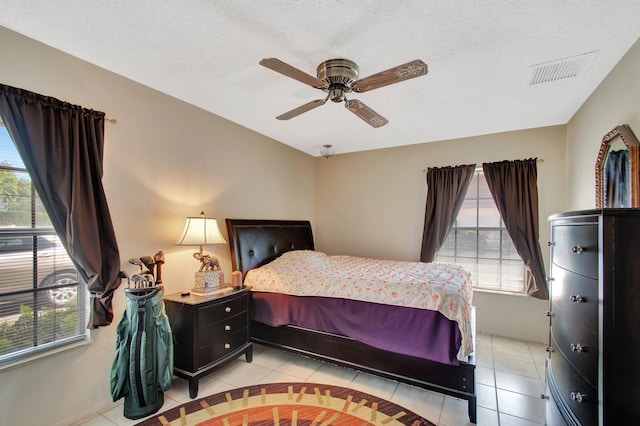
208	332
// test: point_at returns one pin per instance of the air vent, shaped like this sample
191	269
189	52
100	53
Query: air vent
560	69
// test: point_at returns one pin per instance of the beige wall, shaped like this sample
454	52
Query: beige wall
163	160
615	102
390	186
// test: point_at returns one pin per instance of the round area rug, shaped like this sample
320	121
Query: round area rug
288	404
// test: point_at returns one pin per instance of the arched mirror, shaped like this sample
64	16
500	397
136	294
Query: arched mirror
618	170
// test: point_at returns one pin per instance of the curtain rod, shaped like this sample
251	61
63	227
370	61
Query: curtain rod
538	160
111	120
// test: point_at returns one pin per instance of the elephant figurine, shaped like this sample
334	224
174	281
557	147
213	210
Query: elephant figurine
207	262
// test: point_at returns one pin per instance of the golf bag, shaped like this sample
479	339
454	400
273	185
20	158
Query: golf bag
143	367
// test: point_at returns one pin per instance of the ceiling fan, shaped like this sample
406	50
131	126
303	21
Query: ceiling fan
337	77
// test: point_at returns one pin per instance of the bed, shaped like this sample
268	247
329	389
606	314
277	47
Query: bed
311	326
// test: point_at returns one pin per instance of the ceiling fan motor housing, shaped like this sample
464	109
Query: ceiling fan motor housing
340	74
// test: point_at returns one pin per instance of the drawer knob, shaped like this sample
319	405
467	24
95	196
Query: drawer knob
577	347
227	346
227	309
577	249
576	298
578	397
227	327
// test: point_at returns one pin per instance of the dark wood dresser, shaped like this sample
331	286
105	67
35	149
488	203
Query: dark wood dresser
593	377
208	332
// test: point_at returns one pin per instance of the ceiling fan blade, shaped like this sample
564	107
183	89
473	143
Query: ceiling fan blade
283	68
367	114
301	109
393	75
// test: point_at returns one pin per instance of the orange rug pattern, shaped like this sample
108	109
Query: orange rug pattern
288	404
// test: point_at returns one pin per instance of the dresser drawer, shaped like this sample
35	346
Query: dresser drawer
574	325
570	383
577	296
212	350
221	330
579	347
575	248
555	413
213	313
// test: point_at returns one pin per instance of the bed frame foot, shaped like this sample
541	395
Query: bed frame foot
473	409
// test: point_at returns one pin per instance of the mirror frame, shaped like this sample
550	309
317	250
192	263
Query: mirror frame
633	146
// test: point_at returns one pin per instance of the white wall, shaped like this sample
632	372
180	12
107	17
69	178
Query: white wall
615	102
163	160
372	204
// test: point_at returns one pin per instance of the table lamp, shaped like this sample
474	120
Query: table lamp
203	231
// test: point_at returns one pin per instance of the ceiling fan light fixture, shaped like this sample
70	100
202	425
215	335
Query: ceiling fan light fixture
327	151
336	94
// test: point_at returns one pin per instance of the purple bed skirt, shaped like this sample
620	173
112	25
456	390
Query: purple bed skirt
410	331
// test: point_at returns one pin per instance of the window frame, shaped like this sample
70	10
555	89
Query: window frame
507	255
80	334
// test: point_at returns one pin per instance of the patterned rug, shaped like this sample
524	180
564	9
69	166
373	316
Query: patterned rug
292	404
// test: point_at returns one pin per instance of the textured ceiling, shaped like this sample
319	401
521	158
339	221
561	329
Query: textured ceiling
479	56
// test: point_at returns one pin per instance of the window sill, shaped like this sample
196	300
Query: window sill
20	361
500	292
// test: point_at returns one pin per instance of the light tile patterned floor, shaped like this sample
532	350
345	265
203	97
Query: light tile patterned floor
509	381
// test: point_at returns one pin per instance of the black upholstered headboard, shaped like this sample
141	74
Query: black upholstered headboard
257	242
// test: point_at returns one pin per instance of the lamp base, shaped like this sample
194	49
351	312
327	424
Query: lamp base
208	280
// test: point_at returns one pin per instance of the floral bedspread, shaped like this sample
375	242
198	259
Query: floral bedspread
437	286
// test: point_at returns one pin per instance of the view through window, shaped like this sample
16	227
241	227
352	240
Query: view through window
479	242
43	302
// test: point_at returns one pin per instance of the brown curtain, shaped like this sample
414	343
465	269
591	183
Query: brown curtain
446	188
514	188
61	146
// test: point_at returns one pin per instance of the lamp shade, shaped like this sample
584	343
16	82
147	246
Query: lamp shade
200	231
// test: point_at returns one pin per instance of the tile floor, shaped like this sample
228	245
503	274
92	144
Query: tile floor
509	381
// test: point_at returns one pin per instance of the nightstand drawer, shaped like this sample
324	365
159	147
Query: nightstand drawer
221	329
213	313
214	349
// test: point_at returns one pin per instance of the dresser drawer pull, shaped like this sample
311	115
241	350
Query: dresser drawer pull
227	327
578	397
577	347
577	249
227	309
576	298
227	346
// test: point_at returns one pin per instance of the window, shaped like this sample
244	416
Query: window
479	241
43	301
